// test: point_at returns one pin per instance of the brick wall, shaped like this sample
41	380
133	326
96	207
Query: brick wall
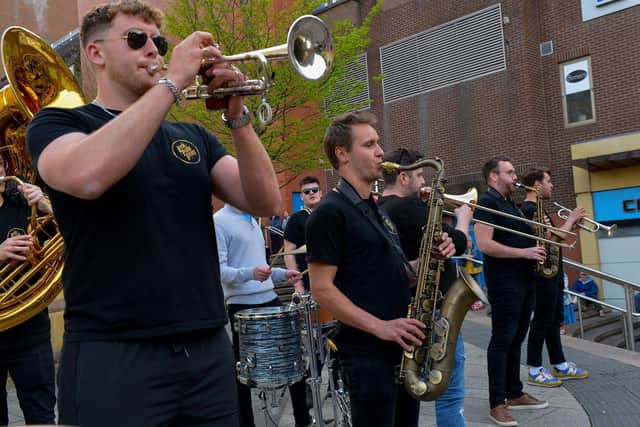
516	112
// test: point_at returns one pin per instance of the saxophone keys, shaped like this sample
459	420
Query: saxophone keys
435	377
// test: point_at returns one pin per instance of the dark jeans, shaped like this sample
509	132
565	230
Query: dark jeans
181	380
297	390
376	397
546	323
511	306
33	374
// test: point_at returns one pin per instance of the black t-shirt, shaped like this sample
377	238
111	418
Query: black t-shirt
14	218
294	232
529	210
370	272
141	259
505	271
410	216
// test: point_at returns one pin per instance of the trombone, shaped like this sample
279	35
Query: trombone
594	227
469	199
460	200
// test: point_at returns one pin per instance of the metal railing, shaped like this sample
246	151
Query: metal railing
628	314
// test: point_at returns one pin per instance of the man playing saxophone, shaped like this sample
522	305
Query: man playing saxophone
509	260
549	309
359	274
401	200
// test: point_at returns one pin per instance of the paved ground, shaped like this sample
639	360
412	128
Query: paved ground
610	397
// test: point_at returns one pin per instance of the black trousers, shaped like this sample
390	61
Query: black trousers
181	380
297	390
511	306
376	397
547	320
33	374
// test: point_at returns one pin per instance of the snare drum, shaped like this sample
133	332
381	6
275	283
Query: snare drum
270	347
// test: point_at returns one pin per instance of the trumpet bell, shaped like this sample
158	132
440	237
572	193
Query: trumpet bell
310	47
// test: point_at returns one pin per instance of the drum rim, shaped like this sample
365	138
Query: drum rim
254	313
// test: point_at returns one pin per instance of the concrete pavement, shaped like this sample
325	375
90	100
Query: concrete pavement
610	397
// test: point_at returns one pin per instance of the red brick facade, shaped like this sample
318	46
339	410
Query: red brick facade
516	112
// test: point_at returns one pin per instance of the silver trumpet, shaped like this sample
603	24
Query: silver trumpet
592	226
309	50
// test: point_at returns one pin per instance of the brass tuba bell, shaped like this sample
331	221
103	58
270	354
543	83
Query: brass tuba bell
38	78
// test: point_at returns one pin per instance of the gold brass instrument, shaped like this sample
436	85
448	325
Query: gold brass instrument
426	370
471	196
38	78
595	226
309	50
550	266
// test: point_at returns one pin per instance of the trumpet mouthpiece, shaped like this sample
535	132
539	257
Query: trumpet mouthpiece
154	68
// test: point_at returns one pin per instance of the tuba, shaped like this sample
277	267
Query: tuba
38	78
426	370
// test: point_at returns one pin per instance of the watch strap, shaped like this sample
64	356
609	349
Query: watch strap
241	121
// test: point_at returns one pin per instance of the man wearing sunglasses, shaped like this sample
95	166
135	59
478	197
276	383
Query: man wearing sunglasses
144	339
294	232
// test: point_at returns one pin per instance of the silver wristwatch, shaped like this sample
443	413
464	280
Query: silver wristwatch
243	120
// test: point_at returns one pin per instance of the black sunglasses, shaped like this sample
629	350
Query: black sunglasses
313	190
137	38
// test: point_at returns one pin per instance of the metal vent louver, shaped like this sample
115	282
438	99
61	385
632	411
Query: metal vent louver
460	50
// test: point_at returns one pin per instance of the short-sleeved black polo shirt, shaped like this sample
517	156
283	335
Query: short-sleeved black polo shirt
505	271
370	272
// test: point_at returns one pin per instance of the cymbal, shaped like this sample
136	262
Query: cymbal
301	250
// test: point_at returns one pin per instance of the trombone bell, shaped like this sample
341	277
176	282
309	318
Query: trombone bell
471	196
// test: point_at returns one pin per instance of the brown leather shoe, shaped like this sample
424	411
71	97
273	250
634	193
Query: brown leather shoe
500	415
526	401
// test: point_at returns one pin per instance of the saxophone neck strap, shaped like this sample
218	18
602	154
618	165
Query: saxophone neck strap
376	216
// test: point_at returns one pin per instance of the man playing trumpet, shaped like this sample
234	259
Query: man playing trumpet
549	309
144	336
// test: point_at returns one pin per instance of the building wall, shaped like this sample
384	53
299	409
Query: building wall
43	17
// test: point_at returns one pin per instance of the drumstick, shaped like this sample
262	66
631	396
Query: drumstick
304	272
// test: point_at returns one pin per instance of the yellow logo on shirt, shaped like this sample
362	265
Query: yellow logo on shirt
185	151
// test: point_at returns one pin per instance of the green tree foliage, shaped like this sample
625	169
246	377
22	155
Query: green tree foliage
301	109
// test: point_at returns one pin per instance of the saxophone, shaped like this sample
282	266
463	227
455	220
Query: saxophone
426	370
551	264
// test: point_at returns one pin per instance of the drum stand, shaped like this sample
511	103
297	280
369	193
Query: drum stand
316	344
315	350
273	392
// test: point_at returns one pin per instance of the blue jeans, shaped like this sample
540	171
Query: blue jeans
450	406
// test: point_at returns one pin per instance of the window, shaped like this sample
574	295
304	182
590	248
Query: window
577	92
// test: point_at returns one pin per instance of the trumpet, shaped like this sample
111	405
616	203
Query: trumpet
309	50
594	227
469	199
